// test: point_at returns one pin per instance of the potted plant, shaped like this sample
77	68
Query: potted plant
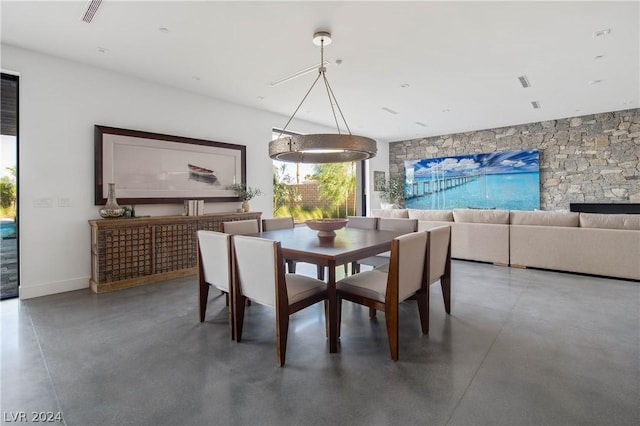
245	193
392	191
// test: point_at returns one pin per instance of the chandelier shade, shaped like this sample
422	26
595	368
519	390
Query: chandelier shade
322	148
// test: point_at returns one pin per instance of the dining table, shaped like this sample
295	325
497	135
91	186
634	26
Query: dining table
302	244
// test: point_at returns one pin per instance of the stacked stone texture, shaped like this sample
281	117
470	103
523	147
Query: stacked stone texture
587	159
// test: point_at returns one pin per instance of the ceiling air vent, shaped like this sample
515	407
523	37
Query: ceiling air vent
535	104
524	81
90	10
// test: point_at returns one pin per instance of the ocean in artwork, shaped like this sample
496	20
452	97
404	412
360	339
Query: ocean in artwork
508	180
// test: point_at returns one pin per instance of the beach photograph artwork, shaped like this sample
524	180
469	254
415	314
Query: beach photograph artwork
507	180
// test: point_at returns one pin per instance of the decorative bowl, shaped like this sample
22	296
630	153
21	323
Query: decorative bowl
326	227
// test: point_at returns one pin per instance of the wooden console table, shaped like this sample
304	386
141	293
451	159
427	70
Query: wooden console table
132	252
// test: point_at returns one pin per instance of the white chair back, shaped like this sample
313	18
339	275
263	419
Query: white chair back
397	224
241	227
439	241
255	262
412	250
276	223
215	255
362	222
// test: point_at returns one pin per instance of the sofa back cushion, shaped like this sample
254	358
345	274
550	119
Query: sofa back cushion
481	216
402	213
610	221
431	215
544	218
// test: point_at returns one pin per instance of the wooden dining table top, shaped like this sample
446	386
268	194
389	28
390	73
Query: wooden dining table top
350	244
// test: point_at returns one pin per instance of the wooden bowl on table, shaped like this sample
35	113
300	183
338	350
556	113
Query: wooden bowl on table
326	227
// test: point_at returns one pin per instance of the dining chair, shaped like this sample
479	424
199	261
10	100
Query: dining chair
273	224
214	269
241	227
360	222
387	224
259	274
417	260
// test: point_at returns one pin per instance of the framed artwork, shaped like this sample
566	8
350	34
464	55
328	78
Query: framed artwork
378	180
152	168
508	180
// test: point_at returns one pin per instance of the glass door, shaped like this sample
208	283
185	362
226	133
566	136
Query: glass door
9	279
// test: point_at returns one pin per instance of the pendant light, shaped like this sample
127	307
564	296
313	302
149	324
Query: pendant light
322	148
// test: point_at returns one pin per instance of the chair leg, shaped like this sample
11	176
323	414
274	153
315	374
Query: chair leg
204	294
339	315
445	283
321	273
355	267
291	266
282	330
423	310
391	316
346	269
372	312
238	314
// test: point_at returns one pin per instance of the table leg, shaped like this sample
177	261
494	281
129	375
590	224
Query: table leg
333	309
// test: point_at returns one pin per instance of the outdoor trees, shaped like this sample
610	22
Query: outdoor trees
336	182
8	193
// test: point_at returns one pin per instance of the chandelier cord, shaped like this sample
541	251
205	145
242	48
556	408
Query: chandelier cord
337	105
299	105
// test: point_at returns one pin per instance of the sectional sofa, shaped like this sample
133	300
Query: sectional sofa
590	243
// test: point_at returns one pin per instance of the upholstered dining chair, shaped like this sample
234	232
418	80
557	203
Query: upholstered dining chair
388	224
360	222
241	227
259	274
417	260
275	223
214	269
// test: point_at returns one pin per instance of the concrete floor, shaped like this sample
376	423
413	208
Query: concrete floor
522	347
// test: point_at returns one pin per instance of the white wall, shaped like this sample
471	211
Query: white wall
379	163
60	102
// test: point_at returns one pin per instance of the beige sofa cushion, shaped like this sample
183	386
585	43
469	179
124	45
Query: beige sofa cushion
481	216
401	213
610	221
608	252
431	215
544	218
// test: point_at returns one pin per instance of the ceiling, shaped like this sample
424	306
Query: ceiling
451	66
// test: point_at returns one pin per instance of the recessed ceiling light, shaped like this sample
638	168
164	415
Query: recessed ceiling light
197	78
592	82
598	57
535	104
601	33
163	30
404	85
421	124
389	110
103	49
446	110
260	97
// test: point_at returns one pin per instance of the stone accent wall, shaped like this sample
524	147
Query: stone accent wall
592	158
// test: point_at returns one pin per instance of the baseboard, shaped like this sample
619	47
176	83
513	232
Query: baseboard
39	290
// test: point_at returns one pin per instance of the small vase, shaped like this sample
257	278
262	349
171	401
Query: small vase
111	209
245	206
